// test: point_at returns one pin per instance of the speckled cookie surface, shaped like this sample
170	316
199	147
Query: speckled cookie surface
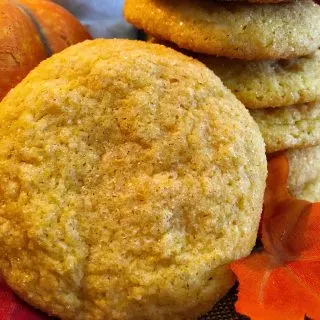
304	173
129	178
289	127
239	30
263	84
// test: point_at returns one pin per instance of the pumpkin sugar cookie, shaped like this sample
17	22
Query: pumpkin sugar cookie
263	84
238	30
289	127
126	191
304	173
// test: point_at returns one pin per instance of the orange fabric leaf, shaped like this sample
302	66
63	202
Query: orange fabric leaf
282	282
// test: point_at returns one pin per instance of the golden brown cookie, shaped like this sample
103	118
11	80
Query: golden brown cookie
129	178
238	30
304	173
289	127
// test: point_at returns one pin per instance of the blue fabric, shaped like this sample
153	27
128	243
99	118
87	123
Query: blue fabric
103	18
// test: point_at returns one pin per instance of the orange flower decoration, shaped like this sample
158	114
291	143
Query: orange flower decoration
282	282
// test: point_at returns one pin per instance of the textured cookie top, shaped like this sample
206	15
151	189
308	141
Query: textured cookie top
263	84
129	178
304	173
289	127
239	30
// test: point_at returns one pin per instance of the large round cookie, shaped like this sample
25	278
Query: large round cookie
289	127
239	30
263	84
129	178
304	173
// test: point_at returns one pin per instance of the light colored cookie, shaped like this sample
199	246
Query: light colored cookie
263	84
304	173
129	178
238	30
289	127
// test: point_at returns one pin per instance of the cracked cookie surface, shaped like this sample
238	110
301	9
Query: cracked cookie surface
129	178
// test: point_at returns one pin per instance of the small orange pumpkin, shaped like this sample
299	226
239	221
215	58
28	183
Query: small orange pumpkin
31	31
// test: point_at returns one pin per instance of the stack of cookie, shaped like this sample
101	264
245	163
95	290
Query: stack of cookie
267	55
